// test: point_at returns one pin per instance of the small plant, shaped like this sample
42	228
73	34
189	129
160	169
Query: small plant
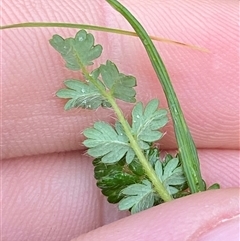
128	167
127	164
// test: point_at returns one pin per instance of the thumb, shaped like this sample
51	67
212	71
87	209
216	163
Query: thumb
211	215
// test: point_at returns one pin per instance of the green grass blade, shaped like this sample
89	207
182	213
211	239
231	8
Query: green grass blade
187	150
96	28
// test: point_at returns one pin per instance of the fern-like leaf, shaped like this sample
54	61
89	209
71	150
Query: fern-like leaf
118	171
119	84
140	196
146	122
170	173
106	142
78	51
84	95
117	180
112	144
113	178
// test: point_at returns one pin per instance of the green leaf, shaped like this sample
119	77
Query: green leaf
106	142
77	52
159	170
81	94
170	173
186	146
214	186
113	178
146	122
120	85
138	197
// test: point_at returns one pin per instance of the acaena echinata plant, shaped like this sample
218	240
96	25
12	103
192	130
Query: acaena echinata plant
127	164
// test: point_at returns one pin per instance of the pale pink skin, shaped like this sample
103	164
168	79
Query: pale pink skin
49	192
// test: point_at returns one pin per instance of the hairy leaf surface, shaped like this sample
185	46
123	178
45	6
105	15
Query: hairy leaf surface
170	173
81	94
78	51
106	142
113	178
118	171
139	197
116	180
119	84
146	122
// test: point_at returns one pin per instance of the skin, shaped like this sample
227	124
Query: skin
49	192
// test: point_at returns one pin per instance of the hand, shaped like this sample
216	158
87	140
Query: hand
49	192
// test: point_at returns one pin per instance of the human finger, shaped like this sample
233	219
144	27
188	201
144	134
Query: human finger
190	218
206	83
54	196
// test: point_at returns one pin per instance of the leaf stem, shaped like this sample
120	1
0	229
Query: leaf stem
161	190
187	150
159	187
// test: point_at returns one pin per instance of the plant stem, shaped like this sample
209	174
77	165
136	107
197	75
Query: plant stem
187	150
160	189
97	28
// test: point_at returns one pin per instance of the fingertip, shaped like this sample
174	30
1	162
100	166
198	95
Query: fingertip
183	219
225	230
